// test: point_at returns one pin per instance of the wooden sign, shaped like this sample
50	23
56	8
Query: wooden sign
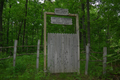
58	20
60	11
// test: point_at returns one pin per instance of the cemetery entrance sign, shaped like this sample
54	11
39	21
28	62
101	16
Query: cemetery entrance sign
57	20
60	11
63	53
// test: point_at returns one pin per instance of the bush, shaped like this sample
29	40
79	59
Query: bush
20	67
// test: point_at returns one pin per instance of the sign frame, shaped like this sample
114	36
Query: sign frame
77	32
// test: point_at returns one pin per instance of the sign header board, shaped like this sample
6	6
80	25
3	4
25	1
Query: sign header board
60	11
58	20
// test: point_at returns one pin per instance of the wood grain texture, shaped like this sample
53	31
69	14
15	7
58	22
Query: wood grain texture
44	41
60	11
59	20
78	46
62	53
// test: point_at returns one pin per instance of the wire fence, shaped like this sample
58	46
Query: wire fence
88	51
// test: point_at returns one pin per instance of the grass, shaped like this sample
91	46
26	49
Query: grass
25	69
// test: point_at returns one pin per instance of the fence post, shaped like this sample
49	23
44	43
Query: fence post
37	61
88	44
87	59
15	50
104	59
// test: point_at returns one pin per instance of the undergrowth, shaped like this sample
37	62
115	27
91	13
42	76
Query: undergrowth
25	69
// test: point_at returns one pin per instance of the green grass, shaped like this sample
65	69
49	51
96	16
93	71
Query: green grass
25	69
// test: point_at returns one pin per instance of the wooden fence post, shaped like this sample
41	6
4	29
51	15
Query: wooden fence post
44	41
87	59
88	44
37	61
104	59
15	50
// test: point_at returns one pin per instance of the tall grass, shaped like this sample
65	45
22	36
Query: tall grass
25	69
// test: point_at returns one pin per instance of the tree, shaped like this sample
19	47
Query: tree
83	23
88	21
1	27
25	20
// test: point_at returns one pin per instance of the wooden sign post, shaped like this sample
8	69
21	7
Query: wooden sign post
66	21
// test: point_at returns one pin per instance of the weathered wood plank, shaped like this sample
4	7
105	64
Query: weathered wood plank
67	52
77	31
53	57
64	53
52	13
60	11
50	53
48	56
59	20
55	52
71	52
76	52
44	42
70	48
60	53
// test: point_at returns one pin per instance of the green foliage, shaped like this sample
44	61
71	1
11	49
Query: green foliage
40	75
3	63
20	67
104	32
115	56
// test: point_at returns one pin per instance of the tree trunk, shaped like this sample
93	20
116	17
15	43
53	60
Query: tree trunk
42	29
25	21
8	27
1	27
8	24
108	36
42	39
19	31
88	22
83	25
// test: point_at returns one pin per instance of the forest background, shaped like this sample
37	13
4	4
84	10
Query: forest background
99	23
